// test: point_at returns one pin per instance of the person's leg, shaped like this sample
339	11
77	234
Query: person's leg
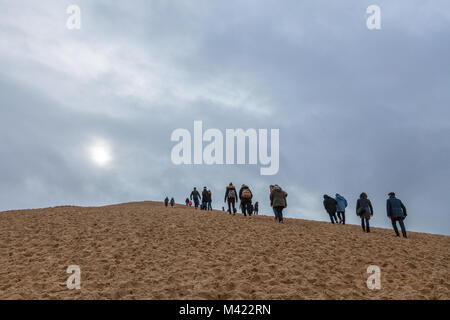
331	217
280	214
244	208
394	225
402	226
367	225
362	224
343	217
339	217
275	213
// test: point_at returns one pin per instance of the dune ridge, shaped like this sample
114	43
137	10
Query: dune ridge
143	250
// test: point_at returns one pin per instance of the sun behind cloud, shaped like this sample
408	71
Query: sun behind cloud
100	153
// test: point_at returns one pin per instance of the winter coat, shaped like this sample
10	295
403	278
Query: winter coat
395	208
205	195
278	198
330	205
229	188
195	195
367	205
240	194
341	203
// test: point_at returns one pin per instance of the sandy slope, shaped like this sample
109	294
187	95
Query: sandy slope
145	251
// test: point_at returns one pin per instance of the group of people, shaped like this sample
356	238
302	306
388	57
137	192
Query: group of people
396	211
245	196
166	202
205	198
335	207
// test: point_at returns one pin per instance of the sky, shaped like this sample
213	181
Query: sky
86	115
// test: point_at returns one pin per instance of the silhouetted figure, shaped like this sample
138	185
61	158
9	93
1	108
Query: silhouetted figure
278	202
340	208
195	195
231	198
364	210
187	202
330	206
209	200
256	208
204	199
166	201
245	195
396	211
172	202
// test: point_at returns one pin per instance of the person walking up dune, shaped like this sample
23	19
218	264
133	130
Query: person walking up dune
275	213
204	198
330	206
231	198
278	201
172	202
166	201
209	200
364	210
245	195
187	202
396	211
256	208
340	208
196	197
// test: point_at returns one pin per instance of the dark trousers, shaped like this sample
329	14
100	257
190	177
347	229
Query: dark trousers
402	226
279	213
209	205
365	224
245	206
333	217
341	216
231	203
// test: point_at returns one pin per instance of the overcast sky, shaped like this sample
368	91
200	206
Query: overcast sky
358	110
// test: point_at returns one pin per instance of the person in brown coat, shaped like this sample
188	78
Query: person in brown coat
278	202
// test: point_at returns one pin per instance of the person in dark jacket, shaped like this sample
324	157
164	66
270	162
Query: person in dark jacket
166	201
209	200
278	202
364	210
256	208
172	202
245	195
195	195
340	207
231	198
330	206
187	202
204	199
396	211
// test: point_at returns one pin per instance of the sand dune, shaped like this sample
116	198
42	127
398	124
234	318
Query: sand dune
145	251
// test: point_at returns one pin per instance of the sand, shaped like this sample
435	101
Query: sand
146	251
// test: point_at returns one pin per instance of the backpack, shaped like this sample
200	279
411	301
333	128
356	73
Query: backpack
232	194
246	194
